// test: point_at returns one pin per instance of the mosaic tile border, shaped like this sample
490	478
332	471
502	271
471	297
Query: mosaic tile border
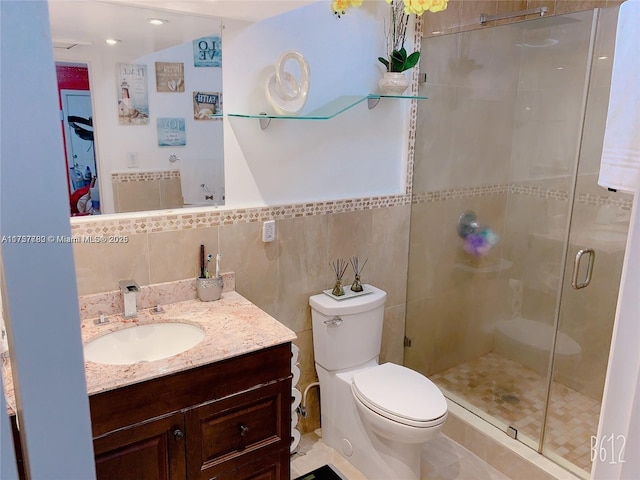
213	218
454	193
413	112
623	203
125	177
539	192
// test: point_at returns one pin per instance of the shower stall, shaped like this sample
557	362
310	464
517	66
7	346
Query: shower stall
517	329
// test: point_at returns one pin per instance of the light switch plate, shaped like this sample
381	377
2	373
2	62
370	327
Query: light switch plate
132	159
269	231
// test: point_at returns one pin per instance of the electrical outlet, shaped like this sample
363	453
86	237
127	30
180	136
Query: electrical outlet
269	231
132	159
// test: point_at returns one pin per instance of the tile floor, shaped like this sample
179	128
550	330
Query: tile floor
515	395
442	459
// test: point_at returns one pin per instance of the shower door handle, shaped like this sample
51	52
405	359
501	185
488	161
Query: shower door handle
576	268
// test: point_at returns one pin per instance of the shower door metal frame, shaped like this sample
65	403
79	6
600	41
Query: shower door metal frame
565	255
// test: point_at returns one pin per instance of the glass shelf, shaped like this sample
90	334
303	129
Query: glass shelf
327	111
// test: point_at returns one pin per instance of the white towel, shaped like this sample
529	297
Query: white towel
621	150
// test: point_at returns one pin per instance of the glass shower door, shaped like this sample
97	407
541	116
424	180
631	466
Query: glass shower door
502	134
595	254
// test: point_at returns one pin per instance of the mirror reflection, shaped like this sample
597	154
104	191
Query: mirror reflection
141	107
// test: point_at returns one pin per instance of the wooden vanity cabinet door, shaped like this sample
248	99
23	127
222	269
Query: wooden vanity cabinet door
272	467
153	450
246	432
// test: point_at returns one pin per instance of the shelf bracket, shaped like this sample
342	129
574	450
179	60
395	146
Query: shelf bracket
264	122
372	102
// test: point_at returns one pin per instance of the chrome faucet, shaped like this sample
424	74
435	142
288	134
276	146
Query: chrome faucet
129	288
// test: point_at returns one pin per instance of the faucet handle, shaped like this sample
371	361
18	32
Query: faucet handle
101	320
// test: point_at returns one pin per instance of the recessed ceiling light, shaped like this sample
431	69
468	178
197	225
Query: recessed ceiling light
157	21
112	41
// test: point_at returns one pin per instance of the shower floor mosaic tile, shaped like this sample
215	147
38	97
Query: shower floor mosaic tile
515	395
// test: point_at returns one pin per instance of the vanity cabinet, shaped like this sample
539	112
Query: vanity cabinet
225	420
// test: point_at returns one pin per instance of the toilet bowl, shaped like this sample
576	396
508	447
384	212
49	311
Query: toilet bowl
377	416
399	403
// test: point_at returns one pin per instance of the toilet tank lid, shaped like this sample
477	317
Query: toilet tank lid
329	306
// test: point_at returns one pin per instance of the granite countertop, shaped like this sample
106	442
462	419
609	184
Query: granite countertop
233	326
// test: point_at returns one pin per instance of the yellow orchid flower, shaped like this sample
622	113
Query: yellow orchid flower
411	7
397	59
438	5
339	6
417	7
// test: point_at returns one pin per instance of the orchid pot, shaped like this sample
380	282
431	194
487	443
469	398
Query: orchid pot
393	83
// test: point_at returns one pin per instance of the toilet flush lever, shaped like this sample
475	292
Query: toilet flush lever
336	321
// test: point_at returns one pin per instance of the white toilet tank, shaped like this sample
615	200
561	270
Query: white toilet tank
347	333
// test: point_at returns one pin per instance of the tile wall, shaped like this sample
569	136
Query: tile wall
141	191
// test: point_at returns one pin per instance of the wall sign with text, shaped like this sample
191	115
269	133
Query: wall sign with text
169	77
133	97
171	132
206	104
207	52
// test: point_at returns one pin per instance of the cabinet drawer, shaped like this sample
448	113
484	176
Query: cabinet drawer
235	430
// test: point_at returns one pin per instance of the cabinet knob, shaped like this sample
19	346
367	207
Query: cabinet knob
243	430
178	434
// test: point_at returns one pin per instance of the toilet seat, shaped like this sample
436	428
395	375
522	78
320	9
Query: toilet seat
400	394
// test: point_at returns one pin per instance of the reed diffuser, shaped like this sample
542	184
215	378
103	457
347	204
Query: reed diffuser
356	286
339	267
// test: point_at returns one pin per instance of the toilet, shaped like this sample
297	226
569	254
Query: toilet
377	416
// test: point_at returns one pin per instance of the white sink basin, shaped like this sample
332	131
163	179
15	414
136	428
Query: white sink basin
143	343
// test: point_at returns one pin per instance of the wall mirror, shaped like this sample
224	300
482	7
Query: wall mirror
141	102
